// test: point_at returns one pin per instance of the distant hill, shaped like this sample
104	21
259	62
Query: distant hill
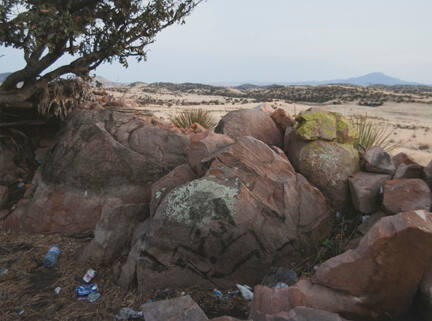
4	75
375	78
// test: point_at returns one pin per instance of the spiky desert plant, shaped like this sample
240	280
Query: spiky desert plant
370	134
188	117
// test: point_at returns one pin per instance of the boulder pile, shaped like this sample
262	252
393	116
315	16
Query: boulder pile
174	208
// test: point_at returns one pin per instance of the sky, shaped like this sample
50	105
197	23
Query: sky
236	41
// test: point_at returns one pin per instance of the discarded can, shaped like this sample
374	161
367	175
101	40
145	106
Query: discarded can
93	297
90	274
86	289
51	257
217	293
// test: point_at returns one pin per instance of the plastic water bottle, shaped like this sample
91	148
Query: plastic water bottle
51	256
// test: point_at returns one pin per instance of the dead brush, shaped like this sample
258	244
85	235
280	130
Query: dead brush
188	117
62	95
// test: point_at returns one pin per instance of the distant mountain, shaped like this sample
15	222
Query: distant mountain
375	78
4	75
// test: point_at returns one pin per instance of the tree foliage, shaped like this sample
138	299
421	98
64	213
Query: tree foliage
91	31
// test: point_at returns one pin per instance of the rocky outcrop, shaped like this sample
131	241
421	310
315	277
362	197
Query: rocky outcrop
320	149
423	302
372	281
365	191
201	149
376	160
250	210
282	120
402	158
101	156
405	195
250	122
409	171
178	309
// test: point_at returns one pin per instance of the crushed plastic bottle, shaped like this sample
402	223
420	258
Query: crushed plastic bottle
128	313
51	256
245	291
57	290
3	271
86	289
93	297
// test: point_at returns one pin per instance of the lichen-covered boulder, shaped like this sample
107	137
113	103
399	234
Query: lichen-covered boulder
321	149
250	122
327	165
316	123
248	212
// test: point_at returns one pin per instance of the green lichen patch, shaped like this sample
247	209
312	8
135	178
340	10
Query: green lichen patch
316	124
201	201
346	133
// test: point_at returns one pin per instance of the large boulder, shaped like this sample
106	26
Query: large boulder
373	281
250	122
201	149
378	271
317	123
406	194
409	171
101	156
327	165
178	176
376	160
321	149
178	309
365	191
423	302
282	120
250	210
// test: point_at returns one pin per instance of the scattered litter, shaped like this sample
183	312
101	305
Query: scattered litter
315	268
128	313
20	184
245	291
85	193
39	161
86	289
90	274
217	293
281	285
51	256
93	297
338	215
21	312
57	290
365	218
3	271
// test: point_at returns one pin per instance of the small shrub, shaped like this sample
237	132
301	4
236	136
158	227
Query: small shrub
372	134
188	117
424	147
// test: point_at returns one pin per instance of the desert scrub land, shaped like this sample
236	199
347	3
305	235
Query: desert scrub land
405	111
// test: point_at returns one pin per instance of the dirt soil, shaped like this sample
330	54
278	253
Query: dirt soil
27	290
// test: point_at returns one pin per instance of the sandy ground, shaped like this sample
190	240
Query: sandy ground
410	124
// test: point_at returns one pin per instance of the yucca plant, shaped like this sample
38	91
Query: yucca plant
372	134
188	117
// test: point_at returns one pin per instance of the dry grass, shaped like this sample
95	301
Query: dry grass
371	133
188	117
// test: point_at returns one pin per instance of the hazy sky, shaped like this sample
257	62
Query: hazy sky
285	40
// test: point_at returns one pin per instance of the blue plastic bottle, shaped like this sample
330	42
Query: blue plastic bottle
51	256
